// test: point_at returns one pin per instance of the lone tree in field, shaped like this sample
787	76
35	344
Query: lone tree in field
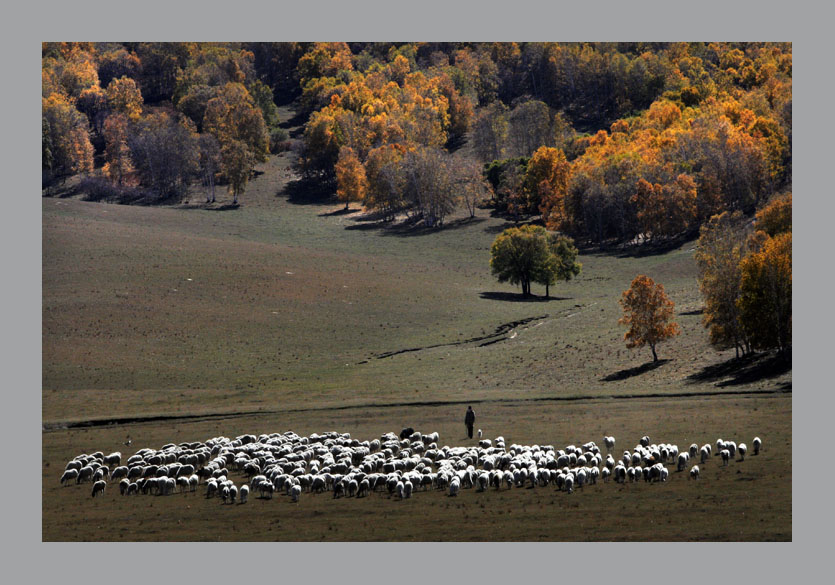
520	256
529	254
647	313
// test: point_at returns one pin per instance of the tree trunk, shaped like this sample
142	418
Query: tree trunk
654	355
547	291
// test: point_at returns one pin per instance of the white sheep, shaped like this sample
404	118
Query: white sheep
742	449
68	475
454	486
726	455
757	445
609	442
605	473
682	461
694	472
244	493
704	454
119	472
98	487
113	459
407	489
85	473
569	483
694	450
731	447
123	486
295	492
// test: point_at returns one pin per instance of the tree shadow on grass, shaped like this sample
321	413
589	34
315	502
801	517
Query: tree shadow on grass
340	211
408	228
224	207
519	297
307	192
636	371
693	312
745	370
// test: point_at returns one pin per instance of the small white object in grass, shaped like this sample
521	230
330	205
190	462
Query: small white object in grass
288	272
188	279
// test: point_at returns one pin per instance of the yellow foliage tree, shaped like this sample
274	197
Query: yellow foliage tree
124	96
350	177
648	313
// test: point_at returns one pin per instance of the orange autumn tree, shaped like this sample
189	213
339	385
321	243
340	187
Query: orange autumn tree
648	313
352	184
546	182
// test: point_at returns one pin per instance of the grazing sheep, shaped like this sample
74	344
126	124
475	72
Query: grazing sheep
726	455
605	473
454	486
85	473
581	478
123	486
479	433
694	450
244	493
682	461
295	492
133	488
68	475
119	472
694	472
731	447
757	445
704	454
407	489
483	480
98	487
742	449
211	488
609	442
569	483
74	464
193	481
113	459
407	432
644	441
364	488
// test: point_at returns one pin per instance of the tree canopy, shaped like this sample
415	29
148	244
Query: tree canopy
528	254
648	313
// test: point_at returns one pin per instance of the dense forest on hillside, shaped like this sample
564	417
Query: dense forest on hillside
606	142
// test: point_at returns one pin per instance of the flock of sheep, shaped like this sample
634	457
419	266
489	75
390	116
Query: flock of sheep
398	466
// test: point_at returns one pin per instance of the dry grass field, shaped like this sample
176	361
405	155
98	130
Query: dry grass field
185	323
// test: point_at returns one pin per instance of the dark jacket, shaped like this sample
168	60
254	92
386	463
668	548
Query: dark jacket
470	418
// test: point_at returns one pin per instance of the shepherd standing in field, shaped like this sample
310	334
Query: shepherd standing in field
469	420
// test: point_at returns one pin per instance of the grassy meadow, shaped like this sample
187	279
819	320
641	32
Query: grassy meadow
189	322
